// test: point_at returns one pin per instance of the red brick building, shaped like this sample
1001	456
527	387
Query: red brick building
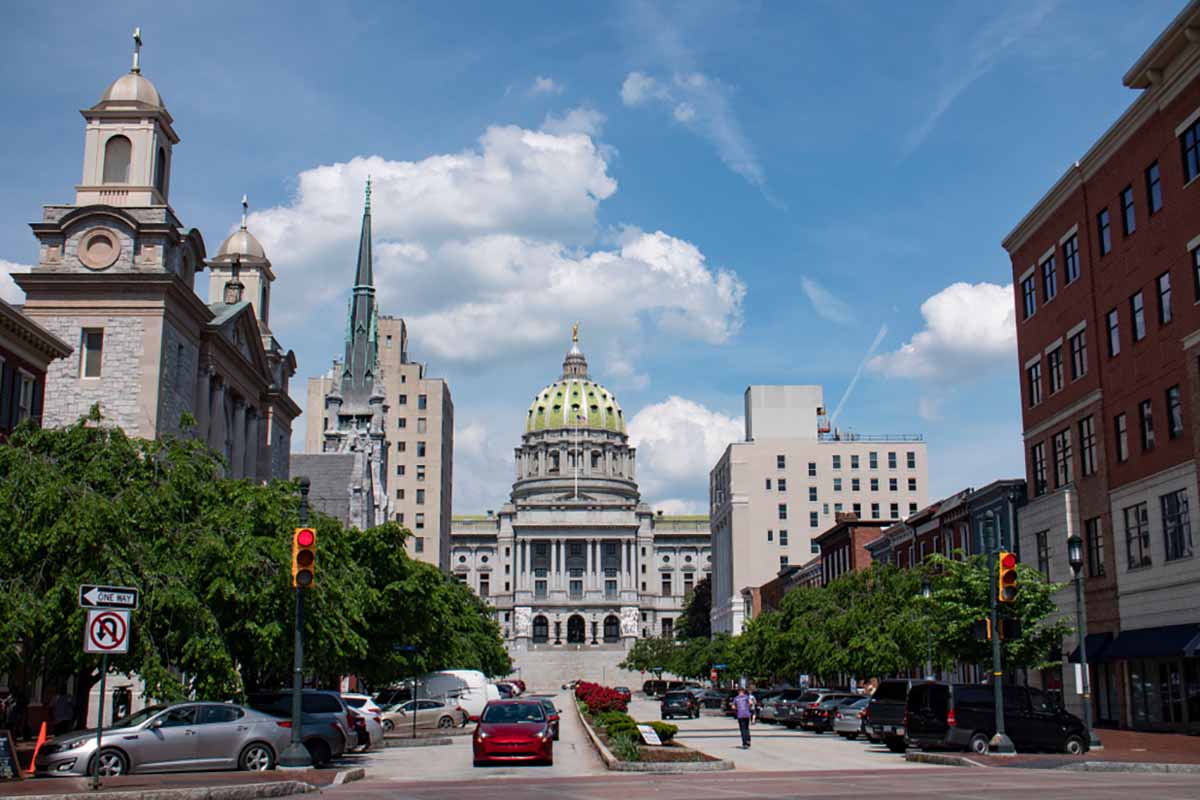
25	350
844	546
1106	283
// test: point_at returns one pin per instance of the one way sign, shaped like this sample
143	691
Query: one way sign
108	597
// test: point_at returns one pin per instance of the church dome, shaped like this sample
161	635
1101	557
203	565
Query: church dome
241	243
133	87
575	401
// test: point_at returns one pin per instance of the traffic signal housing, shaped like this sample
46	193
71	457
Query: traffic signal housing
304	557
1006	579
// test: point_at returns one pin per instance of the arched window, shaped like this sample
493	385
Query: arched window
160	171
612	629
541	630
117	153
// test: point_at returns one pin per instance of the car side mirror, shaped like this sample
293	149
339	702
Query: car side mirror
158	723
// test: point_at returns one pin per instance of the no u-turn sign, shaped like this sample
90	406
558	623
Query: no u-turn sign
107	631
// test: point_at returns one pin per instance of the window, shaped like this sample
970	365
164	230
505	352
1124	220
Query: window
1061	444
1078	344
1164	298
874	484
783	538
92	352
1055	369
420	425
912	509
782	484
1049	280
812	469
118	151
1137	311
837	484
485	585
1153	188
893	485
855	485
402	423
1033	374
768	484
1177	528
837	460
400	469
666	587
24	396
575	588
894	511
1043	553
783	510
780	462
873	460
814	520
853	462
1029	295
1174	413
420	449
401	447
1128	217
912	484
812	494
1038	458
160	171
783	562
403	400
892	459
420	520
422	401
911	457
1071	258
1094	540
420	472
1104	228
1137	536
814	548
857	509
770	536
420	497
1146	424
1087	445
1122	440
1196	272
539	590
1191	151
1114	332
874	510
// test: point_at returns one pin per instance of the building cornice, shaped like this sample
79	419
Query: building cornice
1094	396
33	334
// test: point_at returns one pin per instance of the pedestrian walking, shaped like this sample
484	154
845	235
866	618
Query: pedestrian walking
742	709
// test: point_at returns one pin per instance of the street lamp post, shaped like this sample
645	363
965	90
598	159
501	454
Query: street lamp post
1075	558
1000	744
926	594
295	755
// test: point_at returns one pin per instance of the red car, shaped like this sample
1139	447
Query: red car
513	730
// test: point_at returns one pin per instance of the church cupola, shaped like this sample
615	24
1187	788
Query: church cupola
575	364
127	143
242	259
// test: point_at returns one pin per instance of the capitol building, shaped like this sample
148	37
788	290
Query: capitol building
575	563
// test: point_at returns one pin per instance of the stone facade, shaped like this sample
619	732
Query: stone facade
120	399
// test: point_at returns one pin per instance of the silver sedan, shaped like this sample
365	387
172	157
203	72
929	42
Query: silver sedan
182	737
848	720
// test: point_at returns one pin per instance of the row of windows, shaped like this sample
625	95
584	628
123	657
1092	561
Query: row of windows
1137	310
910	461
1174	408
402	447
1154	201
856	485
402	470
418	521
1176	530
422	400
1048	272
402	424
1063	456
814	518
1077	345
400	495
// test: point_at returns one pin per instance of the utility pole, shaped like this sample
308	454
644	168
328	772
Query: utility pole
295	755
1000	744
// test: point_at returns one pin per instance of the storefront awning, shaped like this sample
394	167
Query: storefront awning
1167	641
1097	644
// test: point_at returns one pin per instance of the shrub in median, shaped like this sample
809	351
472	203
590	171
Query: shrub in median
608	717
600	698
625	746
665	730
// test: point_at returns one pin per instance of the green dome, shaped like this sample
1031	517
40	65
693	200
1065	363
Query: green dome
575	403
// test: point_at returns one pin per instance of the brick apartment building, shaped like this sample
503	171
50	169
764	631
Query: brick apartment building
1106	282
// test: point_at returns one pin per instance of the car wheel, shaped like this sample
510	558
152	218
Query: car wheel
978	744
388	726
318	751
851	736
112	763
895	744
256	757
1073	746
446	722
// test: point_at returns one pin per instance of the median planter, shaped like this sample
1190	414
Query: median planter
670	757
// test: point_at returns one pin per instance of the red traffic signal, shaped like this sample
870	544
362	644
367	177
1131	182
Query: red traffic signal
1006	579
304	557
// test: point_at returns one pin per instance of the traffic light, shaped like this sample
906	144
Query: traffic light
1006	580
304	557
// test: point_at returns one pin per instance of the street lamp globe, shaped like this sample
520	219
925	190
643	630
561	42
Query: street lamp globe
1075	552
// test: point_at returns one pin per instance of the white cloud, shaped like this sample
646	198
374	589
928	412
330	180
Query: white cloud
827	305
587	121
482	464
701	104
544	85
969	330
929	407
9	290
678	442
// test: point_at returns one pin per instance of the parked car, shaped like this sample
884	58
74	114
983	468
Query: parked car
713	698
506	691
785	705
324	706
160	738
886	712
679	703
520	684
849	720
552	713
766	704
624	692
963	717
364	701
571	684
429	713
513	730
368	728
509	686
818	716
390	697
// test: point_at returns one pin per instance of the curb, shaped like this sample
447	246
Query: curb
942	758
616	765
1131	766
426	741
348	776
247	791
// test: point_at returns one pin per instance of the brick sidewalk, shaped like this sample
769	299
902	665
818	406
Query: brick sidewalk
158	781
1118	746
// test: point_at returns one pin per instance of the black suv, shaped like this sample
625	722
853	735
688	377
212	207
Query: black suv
963	717
679	704
885	714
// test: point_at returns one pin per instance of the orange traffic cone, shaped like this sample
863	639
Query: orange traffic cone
41	740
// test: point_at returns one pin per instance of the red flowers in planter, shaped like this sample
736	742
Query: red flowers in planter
600	698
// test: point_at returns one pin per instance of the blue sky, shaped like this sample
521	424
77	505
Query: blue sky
724	194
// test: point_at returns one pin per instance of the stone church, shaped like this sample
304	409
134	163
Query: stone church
115	280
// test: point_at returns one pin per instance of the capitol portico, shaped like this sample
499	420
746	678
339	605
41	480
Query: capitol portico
575	560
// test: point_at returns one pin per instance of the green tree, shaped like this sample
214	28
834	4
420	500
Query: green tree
696	621
651	654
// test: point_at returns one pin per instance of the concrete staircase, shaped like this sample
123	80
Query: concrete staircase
549	667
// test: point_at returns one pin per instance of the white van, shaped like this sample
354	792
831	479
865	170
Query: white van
468	687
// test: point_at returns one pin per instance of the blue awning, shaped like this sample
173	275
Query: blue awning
1166	641
1097	644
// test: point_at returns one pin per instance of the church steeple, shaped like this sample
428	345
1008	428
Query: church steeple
361	363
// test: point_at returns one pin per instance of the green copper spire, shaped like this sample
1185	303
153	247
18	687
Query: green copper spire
362	337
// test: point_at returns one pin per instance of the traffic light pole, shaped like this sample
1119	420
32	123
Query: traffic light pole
1000	744
295	755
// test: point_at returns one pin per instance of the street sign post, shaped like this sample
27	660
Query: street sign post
108	597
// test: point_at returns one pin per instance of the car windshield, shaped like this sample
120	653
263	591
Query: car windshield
137	718
354	702
677	696
514	712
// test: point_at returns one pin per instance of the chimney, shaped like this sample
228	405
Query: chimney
234	286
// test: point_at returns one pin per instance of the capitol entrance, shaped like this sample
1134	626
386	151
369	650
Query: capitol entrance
575	630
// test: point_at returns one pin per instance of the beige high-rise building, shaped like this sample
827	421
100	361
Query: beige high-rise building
772	494
418	424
